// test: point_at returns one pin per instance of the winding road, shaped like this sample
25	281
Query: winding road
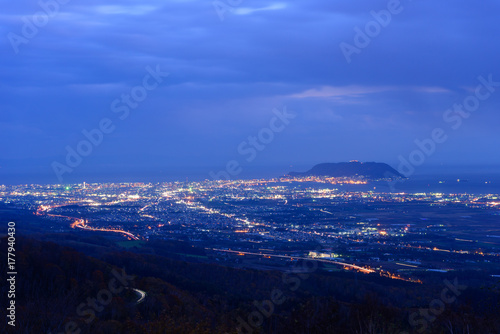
141	294
80	222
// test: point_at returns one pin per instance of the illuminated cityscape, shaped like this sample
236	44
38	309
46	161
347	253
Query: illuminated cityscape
269	223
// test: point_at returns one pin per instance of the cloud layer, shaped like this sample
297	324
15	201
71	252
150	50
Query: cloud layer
226	76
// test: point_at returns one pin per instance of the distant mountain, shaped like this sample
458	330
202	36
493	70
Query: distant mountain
368	170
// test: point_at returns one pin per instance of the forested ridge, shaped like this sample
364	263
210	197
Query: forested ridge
188	297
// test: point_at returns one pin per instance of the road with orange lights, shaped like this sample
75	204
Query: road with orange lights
81	223
346	266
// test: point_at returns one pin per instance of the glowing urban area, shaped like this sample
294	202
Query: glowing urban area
270	223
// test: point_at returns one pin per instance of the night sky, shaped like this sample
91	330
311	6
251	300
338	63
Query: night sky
183	86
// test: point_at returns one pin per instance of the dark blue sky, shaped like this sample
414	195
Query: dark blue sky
228	70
